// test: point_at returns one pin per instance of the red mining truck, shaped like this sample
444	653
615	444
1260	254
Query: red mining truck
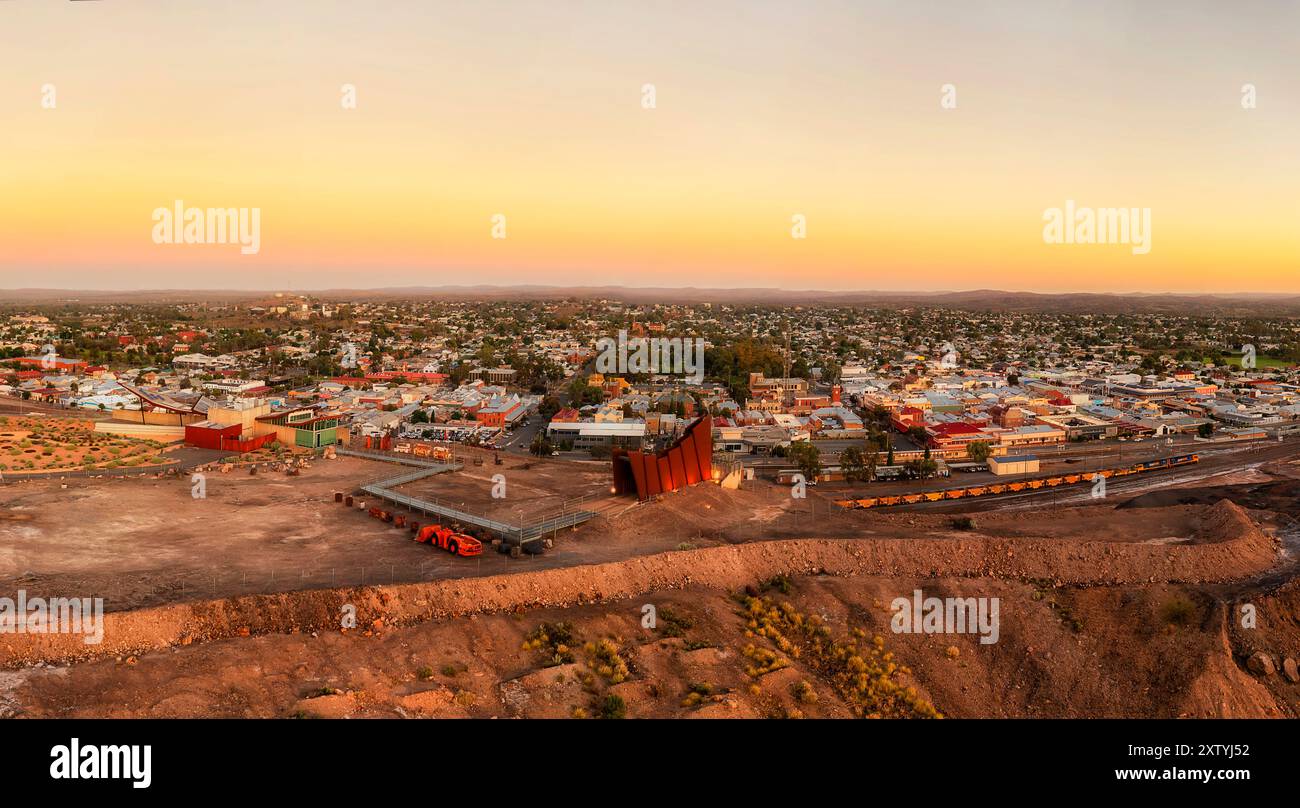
449	540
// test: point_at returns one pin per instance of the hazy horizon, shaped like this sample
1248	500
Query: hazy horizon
542	287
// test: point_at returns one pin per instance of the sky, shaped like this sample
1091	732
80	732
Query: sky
834	121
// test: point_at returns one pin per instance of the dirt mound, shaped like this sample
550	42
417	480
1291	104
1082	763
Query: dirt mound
1061	652
1267	627
1224	690
1265	496
1228	546
1167	497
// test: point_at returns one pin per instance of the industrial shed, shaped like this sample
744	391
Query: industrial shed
1013	464
301	427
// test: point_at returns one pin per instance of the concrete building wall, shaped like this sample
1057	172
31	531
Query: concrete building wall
159	432
1005	466
245	417
156	417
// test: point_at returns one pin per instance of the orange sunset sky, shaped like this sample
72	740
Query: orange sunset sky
763	110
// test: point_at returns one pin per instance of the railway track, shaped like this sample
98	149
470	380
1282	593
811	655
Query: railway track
1020	485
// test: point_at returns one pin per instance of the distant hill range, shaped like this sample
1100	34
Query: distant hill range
975	300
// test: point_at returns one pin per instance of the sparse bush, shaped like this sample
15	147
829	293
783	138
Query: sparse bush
804	692
780	583
613	706
672	623
1063	612
552	642
604	657
863	674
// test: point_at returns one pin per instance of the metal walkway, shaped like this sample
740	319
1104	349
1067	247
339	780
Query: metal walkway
513	534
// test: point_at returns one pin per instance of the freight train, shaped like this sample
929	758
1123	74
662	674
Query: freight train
1018	485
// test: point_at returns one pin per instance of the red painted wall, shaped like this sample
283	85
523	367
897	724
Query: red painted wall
685	463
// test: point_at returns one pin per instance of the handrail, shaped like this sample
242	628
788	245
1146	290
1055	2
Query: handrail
567	516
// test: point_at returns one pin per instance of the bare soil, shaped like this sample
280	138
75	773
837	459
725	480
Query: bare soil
1123	607
47	443
1062	652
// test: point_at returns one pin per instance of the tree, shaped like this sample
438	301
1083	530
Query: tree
830	373
582	393
978	450
921	469
549	406
869	468
858	466
419	417
852	464
806	457
540	445
1205	430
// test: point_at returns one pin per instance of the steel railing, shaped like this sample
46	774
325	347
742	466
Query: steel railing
569	514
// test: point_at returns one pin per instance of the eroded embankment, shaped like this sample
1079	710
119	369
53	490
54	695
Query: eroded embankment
1228	546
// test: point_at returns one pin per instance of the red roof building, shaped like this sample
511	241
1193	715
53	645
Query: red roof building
953	435
568	415
907	417
408	376
55	363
